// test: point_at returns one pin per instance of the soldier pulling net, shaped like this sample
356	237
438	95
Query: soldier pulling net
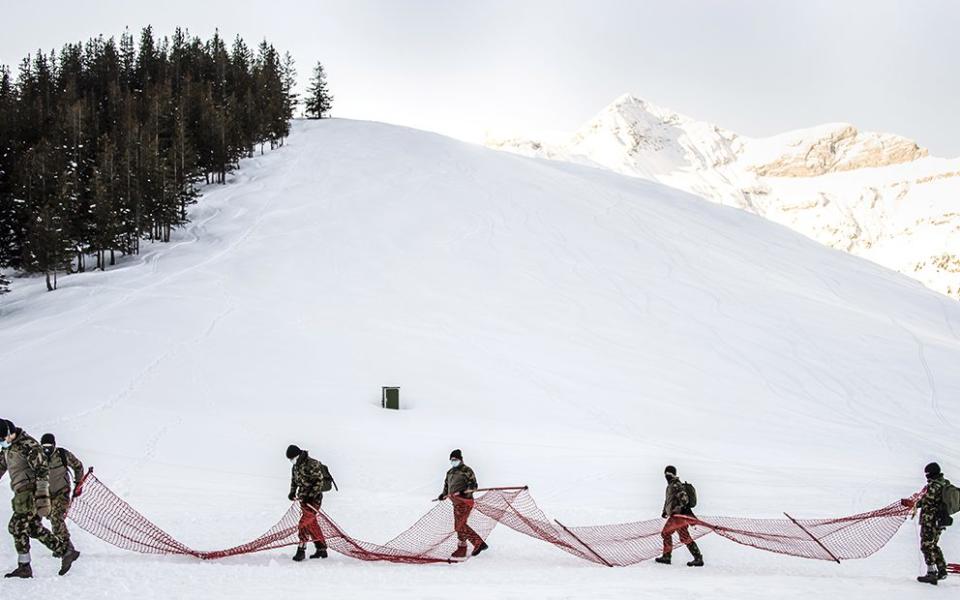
432	538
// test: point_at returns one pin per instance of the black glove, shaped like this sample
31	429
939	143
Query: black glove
292	496
663	515
442	497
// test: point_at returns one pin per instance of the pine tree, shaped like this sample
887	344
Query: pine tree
103	143
319	100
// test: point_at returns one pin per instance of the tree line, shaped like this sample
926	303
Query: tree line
103	143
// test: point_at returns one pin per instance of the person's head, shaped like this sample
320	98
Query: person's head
670	473
456	458
293	453
8	433
932	471
49	443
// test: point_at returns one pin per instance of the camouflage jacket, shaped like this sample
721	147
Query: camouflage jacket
676	501
61	462
26	463
459	479
306	479
931	501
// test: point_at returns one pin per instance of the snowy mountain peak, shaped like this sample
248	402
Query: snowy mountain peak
878	195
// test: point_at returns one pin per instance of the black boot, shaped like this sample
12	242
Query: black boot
321	551
663	560
932	577
23	571
68	559
942	574
696	562
300	555
483	546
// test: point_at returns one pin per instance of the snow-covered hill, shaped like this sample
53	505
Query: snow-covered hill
567	327
876	195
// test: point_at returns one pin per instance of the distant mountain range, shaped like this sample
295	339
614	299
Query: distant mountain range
876	195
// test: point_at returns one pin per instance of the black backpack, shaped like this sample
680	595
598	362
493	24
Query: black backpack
327	482
949	504
691	494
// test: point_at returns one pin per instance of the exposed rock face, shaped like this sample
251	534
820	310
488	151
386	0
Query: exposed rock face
877	195
840	148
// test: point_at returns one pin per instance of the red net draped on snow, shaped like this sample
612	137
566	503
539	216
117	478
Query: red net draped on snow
433	539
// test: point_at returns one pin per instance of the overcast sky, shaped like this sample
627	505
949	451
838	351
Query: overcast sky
472	66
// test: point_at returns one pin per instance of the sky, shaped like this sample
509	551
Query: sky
497	67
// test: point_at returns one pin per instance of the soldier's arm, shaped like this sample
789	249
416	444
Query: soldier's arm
75	465
446	489
311	475
37	461
931	497
680	493
471	480
293	482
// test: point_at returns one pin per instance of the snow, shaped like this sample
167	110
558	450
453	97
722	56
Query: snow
876	195
569	328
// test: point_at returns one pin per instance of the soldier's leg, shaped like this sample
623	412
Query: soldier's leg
36	530
929	546
59	506
667	535
18	528
688	541
461	516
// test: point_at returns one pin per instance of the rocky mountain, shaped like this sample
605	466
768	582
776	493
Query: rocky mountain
876	195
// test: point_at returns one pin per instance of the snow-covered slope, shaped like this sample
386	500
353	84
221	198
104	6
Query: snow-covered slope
876	195
567	327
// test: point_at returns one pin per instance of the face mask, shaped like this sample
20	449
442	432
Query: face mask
4	444
454	463
48	450
293	460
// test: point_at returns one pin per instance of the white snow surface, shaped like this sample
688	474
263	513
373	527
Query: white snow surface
569	328
875	195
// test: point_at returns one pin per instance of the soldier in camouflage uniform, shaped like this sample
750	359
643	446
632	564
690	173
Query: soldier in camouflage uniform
306	485
24	460
933	520
677	503
61	464
459	485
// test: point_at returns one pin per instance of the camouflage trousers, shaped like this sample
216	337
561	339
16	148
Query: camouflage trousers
929	540
672	525
59	505
25	524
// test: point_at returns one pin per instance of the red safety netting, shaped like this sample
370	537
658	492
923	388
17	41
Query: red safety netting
433	539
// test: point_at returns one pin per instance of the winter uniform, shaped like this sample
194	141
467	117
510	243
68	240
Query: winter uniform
306	485
61	464
459	485
932	524
676	505
27	466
